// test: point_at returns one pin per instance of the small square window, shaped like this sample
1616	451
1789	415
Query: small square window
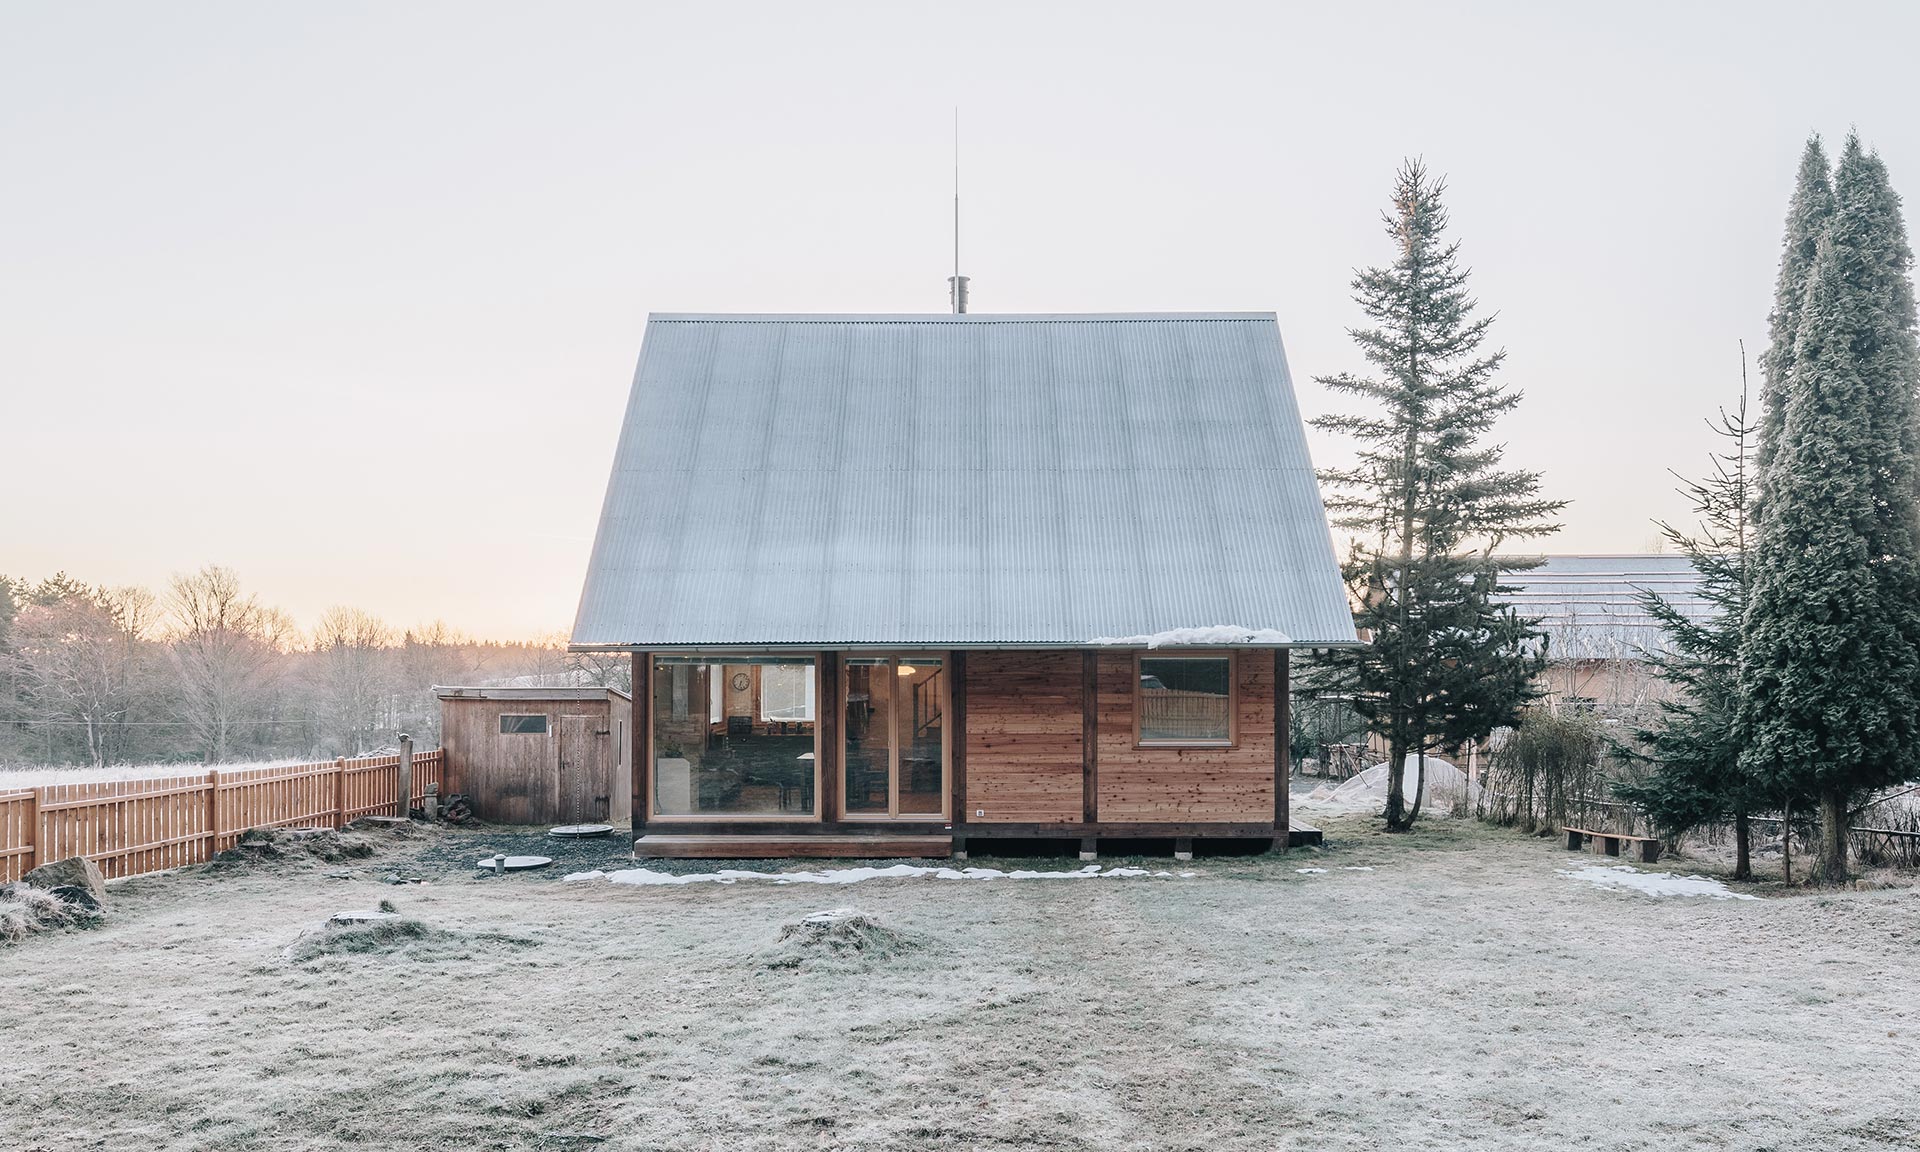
1184	700
534	724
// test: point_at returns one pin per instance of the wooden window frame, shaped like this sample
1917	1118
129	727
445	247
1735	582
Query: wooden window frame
546	723
654	815
893	815
1232	658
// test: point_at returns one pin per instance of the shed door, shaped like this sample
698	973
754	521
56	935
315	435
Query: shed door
583	798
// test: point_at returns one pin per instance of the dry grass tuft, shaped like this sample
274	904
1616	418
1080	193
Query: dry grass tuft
26	910
407	937
267	846
838	938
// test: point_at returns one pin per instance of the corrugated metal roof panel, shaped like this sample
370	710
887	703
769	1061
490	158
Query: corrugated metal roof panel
1590	606
960	480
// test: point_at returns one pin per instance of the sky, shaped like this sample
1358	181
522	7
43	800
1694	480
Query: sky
348	297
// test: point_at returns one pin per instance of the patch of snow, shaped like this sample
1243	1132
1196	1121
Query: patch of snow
42	775
1356	868
1310	871
1628	878
1367	791
1209	636
646	877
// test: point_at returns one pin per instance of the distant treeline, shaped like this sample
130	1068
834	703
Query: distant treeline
204	672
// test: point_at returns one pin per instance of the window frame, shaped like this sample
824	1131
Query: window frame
891	662
654	665
546	723
1231	656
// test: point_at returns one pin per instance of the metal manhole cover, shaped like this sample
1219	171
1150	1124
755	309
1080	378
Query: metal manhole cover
580	831
511	863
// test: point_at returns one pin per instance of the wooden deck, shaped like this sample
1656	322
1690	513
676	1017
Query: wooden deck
1302	835
750	846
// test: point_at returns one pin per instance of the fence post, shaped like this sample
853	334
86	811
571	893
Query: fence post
340	789
405	801
213	813
33	859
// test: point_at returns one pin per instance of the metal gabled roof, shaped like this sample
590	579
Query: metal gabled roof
960	481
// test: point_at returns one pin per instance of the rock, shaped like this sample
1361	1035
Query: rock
73	872
77	896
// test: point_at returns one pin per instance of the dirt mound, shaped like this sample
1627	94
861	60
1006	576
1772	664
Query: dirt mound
398	935
26	910
837	937
265	846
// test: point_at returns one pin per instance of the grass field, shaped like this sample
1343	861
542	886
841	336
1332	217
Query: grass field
1446	988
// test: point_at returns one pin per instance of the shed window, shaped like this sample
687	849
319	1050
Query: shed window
1184	701
534	724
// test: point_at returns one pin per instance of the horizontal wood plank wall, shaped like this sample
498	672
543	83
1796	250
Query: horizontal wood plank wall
132	826
1181	785
1023	737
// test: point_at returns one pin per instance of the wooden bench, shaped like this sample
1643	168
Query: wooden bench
1649	846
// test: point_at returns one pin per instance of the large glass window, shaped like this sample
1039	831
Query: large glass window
1184	700
896	757
733	737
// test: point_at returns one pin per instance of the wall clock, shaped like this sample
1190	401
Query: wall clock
740	681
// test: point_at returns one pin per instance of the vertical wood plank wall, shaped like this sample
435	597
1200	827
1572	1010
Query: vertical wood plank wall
132	826
1024	737
515	778
1028	762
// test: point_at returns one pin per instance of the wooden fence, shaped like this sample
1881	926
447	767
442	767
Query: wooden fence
132	826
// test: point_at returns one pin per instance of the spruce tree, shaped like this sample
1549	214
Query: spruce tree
1809	211
1829	673
1428	503
1694	746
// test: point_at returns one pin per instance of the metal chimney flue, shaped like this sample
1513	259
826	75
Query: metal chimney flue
956	283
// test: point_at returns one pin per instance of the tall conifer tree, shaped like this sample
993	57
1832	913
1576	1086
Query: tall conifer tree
1695	745
1809	212
1830	648
1428	503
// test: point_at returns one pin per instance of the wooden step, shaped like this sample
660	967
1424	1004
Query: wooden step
863	846
1301	834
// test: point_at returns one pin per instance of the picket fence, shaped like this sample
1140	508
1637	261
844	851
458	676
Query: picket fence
132	826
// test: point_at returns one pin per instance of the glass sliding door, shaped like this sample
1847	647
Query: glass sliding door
733	737
896	738
869	728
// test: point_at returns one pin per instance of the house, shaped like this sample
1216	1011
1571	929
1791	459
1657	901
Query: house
539	755
1599	632
892	583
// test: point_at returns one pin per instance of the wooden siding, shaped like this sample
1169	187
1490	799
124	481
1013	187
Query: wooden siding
1024	738
516	779
1186	784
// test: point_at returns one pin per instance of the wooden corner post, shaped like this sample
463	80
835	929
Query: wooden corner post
1282	745
639	728
1089	736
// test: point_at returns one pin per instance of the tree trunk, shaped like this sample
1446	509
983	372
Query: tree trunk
1742	846
1419	790
1397	820
1786	841
1832	868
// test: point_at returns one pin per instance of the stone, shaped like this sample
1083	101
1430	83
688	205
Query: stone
73	872
78	897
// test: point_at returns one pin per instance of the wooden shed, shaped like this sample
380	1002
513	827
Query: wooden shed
540	755
891	582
